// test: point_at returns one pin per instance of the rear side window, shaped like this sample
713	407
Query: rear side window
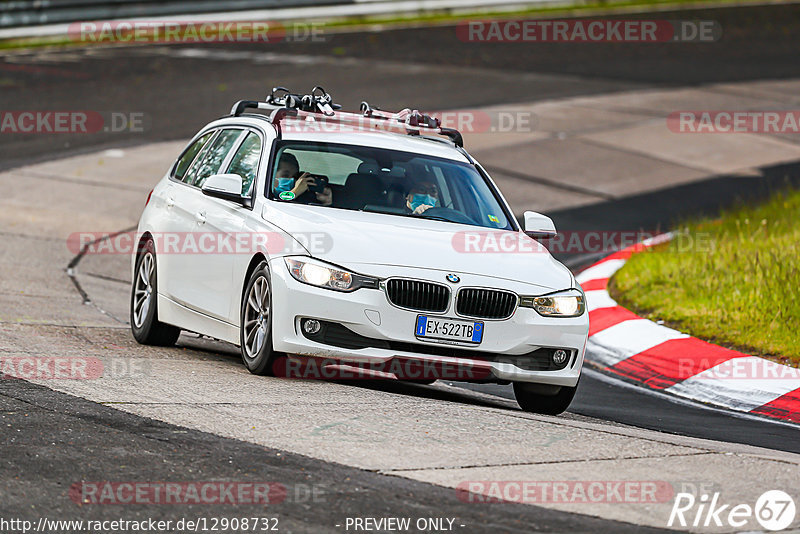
189	155
245	162
214	157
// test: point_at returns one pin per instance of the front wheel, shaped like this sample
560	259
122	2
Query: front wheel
544	398
255	333
145	326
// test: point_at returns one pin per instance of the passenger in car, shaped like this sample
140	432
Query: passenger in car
288	178
422	196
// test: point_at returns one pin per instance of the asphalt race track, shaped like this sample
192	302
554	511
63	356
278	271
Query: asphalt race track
178	89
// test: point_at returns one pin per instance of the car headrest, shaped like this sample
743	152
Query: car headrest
367	167
398	171
363	182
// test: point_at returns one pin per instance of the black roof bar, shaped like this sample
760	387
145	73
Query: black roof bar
239	107
454	135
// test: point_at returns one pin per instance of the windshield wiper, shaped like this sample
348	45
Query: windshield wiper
415	216
431	217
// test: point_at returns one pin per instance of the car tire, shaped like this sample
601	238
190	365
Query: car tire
544	398
145	326
255	333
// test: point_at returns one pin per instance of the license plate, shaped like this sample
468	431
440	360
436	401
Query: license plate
449	329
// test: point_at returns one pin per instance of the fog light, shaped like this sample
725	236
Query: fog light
559	357
311	326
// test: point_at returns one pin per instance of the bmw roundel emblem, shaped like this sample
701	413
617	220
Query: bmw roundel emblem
453	278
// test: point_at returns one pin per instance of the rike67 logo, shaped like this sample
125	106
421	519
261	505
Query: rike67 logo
774	510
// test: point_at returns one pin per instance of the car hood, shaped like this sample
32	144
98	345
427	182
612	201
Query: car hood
355	238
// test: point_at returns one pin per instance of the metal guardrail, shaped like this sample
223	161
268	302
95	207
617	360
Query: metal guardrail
15	13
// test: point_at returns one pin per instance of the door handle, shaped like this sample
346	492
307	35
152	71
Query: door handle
200	216
170	202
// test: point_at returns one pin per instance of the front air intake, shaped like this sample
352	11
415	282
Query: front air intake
418	295
485	303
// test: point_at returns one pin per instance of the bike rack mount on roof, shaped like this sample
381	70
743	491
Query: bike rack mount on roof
318	105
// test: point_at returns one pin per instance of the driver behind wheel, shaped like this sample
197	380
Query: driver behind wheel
289	179
422	196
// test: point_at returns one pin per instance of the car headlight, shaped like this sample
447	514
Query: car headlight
570	303
320	274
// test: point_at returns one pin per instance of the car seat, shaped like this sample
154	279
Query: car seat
360	190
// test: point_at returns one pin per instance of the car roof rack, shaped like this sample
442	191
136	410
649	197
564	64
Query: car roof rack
319	106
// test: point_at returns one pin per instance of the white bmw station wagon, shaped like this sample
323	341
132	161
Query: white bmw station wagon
297	231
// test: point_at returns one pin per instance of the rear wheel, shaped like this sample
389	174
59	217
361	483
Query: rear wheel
256	322
145	326
544	398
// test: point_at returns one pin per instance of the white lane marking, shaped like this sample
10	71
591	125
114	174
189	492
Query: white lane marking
601	270
241	55
658	239
614	381
628	338
740	384
599	299
275	58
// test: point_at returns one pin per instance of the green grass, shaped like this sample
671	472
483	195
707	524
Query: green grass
734	281
569	8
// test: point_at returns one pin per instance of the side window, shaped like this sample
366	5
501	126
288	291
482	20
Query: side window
188	156
198	161
215	155
245	162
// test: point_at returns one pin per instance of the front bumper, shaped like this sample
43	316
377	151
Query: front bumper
368	312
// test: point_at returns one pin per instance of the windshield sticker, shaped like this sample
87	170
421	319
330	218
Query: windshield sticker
494	219
286	195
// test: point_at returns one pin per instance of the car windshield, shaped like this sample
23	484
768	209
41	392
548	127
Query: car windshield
384	181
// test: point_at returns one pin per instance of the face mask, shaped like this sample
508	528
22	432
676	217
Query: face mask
419	199
284	184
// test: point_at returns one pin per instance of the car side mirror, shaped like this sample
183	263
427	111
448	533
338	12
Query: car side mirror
226	187
539	226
